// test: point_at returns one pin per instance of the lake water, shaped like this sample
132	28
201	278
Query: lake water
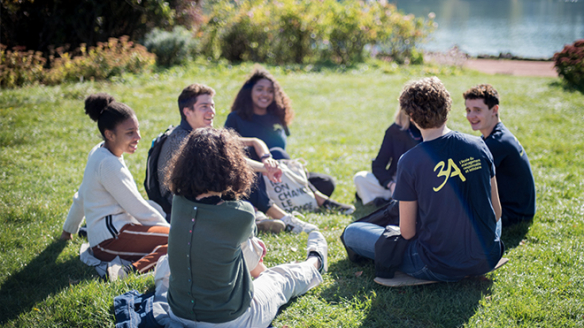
525	28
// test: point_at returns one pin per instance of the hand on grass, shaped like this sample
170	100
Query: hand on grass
66	236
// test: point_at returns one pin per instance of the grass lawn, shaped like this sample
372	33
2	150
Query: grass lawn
340	121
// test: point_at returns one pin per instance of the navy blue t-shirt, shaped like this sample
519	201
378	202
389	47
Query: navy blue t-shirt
267	128
514	176
450	178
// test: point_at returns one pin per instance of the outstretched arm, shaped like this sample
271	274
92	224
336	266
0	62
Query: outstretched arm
258	145
269	168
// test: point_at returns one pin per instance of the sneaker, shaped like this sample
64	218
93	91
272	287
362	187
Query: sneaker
336	206
316	246
116	270
295	225
82	232
268	225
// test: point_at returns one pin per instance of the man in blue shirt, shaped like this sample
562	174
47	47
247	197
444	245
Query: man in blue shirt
514	176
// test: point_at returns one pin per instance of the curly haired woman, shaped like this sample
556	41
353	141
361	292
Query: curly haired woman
210	284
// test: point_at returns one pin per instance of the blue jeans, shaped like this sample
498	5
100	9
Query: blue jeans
361	238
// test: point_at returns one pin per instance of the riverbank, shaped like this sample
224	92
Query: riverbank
512	66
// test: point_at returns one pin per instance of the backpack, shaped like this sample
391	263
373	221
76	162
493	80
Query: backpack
151	183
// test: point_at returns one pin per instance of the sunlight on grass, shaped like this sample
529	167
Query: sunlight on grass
341	117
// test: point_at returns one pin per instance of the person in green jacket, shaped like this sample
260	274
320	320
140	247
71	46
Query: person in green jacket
210	284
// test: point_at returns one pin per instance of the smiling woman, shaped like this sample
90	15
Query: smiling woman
120	223
262	110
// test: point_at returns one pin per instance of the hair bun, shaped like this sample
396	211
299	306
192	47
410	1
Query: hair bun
96	103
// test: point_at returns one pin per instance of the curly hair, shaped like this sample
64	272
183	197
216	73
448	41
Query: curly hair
486	92
188	96
106	111
281	106
209	160
426	101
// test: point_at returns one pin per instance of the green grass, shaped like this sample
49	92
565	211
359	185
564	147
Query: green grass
340	121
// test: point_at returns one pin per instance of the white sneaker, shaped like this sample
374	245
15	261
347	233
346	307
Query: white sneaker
296	225
268	225
316	243
115	270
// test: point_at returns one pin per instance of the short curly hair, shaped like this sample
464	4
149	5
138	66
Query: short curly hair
210	160
426	101
281	106
486	92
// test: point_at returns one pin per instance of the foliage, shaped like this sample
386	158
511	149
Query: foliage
569	63
170	48
39	24
304	31
108	59
19	67
341	115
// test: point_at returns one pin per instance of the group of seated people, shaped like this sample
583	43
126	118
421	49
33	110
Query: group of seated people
453	191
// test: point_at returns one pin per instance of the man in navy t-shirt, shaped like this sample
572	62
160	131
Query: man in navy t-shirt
514	177
447	193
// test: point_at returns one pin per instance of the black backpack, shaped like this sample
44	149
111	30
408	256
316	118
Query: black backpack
151	183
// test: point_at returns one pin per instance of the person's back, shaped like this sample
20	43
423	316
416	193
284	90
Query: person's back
449	177
212	285
514	175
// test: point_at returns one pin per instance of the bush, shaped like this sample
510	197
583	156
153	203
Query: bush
19	67
569	63
171	48
40	24
108	59
304	31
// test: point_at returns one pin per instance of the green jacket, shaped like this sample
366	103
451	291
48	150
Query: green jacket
209	280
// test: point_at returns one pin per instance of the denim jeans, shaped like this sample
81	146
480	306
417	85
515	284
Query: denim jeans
361	238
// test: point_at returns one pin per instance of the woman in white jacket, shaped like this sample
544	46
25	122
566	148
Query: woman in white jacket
120	223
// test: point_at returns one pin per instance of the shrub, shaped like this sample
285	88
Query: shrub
305	31
171	48
569	63
19	67
39	24
108	59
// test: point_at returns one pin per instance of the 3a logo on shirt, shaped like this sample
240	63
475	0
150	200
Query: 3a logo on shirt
451	171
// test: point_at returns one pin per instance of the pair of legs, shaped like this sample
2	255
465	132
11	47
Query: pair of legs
368	187
272	289
143	245
361	237
276	286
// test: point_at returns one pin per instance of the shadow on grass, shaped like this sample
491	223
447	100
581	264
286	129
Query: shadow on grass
567	86
435	305
42	277
513	235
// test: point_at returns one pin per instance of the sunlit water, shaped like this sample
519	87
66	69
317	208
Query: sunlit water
525	28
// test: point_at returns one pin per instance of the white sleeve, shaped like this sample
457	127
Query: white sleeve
118	181
75	216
